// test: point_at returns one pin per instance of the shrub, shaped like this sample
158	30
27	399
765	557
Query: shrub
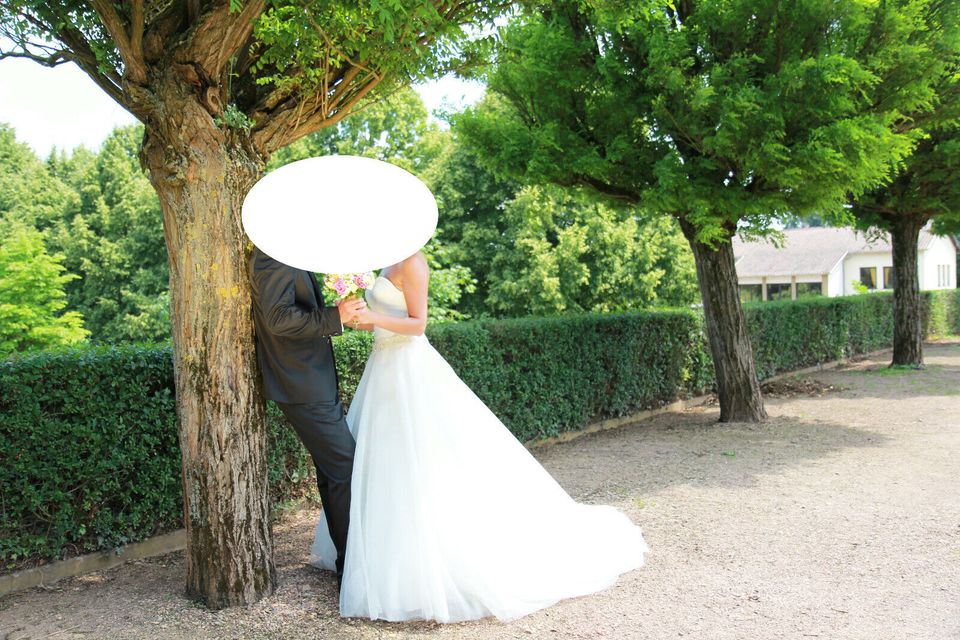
88	440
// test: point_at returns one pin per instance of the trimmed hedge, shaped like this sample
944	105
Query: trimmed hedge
89	451
88	448
794	334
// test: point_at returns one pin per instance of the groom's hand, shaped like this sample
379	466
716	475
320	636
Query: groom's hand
350	310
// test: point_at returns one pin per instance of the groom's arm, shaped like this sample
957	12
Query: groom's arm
281	313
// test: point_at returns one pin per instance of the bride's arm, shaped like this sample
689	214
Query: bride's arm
416	275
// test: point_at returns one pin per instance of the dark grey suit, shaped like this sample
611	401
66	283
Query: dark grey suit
293	329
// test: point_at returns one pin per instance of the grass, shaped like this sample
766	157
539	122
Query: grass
896	370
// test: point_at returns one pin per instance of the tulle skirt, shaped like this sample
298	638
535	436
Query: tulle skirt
451	518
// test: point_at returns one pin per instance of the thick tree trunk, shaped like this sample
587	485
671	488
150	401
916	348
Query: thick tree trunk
737	385
201	174
907	323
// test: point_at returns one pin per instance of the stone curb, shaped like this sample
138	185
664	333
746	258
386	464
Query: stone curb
176	540
50	573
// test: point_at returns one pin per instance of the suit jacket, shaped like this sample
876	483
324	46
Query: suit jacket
293	329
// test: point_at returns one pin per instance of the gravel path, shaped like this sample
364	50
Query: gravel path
840	518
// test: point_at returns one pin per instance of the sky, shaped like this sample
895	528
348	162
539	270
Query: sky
61	107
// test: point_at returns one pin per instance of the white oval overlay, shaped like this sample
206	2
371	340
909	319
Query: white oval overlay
339	214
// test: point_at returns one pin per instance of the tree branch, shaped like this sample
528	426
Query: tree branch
133	63
304	117
136	28
54	59
86	59
218	35
605	188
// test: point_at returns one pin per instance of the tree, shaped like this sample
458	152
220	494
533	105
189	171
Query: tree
220	85
392	130
114	241
29	195
926	187
472	224
574	254
32	296
724	114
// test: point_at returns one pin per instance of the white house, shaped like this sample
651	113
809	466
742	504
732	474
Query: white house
827	261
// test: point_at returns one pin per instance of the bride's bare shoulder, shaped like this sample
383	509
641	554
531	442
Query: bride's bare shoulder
415	264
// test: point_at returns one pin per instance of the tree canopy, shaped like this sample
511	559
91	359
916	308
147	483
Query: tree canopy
279	69
32	298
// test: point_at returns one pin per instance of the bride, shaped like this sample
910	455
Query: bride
451	517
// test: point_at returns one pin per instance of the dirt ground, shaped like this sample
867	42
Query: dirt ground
837	519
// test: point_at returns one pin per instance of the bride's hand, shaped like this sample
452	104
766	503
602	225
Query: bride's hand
349	309
365	316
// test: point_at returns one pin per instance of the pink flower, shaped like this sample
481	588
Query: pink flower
340	286
358	280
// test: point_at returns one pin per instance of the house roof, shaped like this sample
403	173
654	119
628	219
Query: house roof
813	250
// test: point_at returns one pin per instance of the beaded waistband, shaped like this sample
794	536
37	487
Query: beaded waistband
395	340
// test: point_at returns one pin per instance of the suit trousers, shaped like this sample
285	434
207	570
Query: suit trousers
323	430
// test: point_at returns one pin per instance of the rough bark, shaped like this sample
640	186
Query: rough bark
201	173
907	320
737	385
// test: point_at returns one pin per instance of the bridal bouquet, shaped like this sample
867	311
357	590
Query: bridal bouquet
348	285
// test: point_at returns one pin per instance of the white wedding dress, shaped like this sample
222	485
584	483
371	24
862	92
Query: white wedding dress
451	518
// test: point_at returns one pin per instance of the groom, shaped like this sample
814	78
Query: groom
293	329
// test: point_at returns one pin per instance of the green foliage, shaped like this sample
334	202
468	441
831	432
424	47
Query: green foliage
941	312
544	376
32	296
724	113
29	194
544	250
90	441
788	334
391	130
113	238
233	118
101	214
89	437
317	57
118	481
859	287
928	65
300	41
472	225
569	253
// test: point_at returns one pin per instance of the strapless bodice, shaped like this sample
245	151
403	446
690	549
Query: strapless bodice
384	297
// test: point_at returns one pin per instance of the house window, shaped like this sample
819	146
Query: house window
943	275
779	291
888	277
751	292
868	277
809	289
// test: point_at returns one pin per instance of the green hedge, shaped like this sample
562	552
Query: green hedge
88	449
88	441
942	313
791	334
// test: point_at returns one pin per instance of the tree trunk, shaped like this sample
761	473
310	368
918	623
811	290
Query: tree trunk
907	323
201	173
737	385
